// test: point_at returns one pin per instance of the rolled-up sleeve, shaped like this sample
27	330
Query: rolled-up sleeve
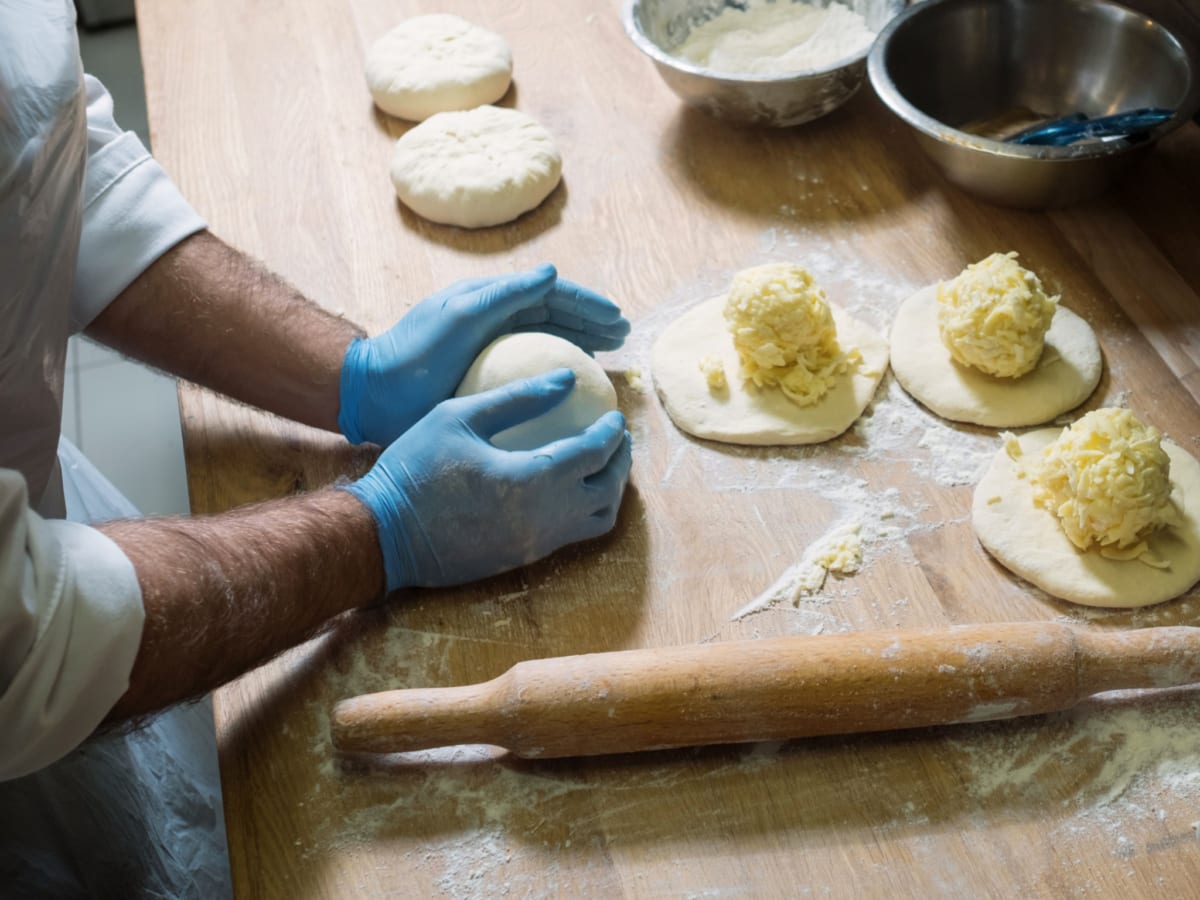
132	212
70	626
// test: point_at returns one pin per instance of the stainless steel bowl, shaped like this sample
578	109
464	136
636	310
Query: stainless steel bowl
658	27
962	72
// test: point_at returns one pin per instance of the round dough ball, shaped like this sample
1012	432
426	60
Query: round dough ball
685	358
528	353
1029	541
477	168
1067	372
437	63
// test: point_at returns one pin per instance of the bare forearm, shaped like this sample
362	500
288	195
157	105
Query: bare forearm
214	316
225	593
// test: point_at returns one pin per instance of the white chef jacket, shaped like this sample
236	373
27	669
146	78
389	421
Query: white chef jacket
84	210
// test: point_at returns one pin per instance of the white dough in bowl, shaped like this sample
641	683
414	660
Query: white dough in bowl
525	354
437	63
477	168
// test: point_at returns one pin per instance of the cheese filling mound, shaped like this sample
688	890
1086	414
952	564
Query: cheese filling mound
1107	479
994	316
784	333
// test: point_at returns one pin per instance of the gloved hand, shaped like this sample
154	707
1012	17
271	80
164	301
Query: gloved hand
390	381
451	508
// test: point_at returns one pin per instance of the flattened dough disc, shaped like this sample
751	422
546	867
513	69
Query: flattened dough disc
1028	540
482	167
437	63
1067	373
749	415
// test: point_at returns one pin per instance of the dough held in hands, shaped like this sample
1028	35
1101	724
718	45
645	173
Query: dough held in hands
1104	513
482	167
528	353
770	363
437	63
958	349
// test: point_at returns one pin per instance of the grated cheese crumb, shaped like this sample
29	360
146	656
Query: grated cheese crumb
714	372
635	379
839	551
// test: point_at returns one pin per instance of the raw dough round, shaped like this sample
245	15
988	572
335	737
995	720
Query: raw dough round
746	415
529	353
437	63
1066	375
477	168
1028	540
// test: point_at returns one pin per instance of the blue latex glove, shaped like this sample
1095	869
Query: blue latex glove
390	381
451	508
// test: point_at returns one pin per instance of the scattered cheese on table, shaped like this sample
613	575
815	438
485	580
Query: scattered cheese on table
840	551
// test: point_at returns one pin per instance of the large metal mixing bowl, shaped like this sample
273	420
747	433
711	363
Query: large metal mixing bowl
957	71
658	27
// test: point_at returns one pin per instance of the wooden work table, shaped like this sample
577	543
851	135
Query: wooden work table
261	114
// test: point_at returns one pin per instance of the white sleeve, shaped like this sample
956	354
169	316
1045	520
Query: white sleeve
132	212
70	627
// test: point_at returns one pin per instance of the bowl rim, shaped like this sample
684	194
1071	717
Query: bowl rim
889	93
663	58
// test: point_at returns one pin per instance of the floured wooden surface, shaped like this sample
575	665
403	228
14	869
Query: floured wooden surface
659	207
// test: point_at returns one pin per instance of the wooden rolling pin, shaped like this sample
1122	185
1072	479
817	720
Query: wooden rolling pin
777	688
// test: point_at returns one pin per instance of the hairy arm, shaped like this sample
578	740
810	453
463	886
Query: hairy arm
214	316
225	593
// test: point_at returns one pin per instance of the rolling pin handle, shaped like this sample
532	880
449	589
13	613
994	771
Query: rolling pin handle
418	719
1167	656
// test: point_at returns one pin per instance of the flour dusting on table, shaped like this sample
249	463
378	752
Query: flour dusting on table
839	551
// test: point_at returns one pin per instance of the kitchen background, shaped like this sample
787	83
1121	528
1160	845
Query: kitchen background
108	399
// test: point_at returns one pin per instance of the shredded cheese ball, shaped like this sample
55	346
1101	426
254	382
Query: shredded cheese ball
994	316
714	372
1107	479
784	332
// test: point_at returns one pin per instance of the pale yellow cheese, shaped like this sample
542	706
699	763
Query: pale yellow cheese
784	333
714	372
635	379
1108	481
841	551
994	316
